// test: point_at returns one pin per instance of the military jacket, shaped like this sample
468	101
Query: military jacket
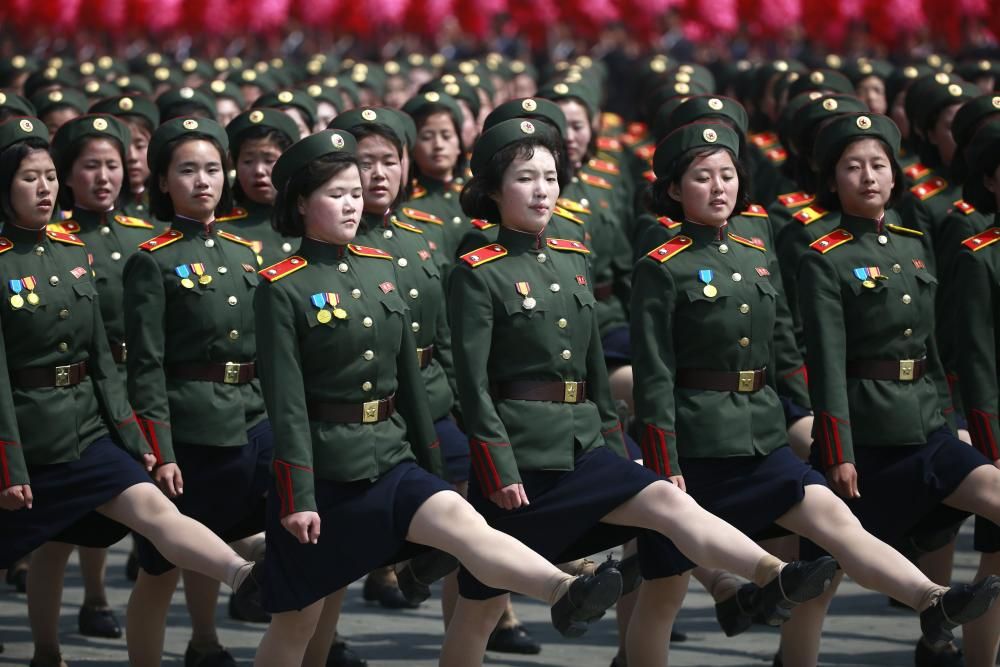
51	316
866	293
926	205
363	353
188	300
138	207
252	222
500	336
435	207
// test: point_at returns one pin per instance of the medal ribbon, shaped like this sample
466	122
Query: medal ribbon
523	288
182	271
16	286
29	283
861	273
705	276
199	269
318	299
874	272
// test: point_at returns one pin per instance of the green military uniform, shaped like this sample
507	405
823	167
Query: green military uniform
434	207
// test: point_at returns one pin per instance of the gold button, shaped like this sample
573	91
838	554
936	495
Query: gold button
54	280
402	261
554	287
907	299
368	355
342	267
737	277
566	354
366	386
286	247
387	234
744	342
115	256
744	308
896	268
232	301
367	322
39	250
415	326
356	293
907	332
723	248
542	258
105	231
414	293
562	323
234	335
63	347
63	314
222	270
209	243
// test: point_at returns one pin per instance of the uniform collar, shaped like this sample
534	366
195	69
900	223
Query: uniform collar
315	250
20	234
705	233
370	221
514	240
860	226
255	210
91	218
432	185
193	227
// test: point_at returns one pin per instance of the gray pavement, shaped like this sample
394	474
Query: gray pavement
862	630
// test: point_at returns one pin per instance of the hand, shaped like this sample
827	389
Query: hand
303	525
843	479
148	462
15	497
678	481
510	497
169	478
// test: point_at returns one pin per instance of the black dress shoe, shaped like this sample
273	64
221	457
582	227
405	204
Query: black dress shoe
948	656
777	662
586	601
98	622
737	613
416	576
217	657
252	614
18	578
631	576
678	637
385	594
342	655
798	582
513	640
959	605
248	595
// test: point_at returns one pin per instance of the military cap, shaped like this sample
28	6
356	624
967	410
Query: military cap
224	89
321	93
787	116
185	96
282	75
697	74
845	128
54	99
196	67
272	119
861	68
562	90
396	68
248	76
969	117
20	128
14	66
707	135
505	133
821	79
97	90
661	125
290	98
165	76
521	68
134	84
106	65
456	87
343	85
47	77
102	126
313	147
361	116
931	94
146	61
973	69
981	156
532	108
902	78
700	107
408	125
822	108
128	105
320	66
179	127
763	74
939	62
17	104
418	103
365	75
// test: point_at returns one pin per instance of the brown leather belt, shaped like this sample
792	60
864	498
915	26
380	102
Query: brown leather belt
52	376
905	370
744	382
604	291
118	351
425	355
529	390
230	372
353	413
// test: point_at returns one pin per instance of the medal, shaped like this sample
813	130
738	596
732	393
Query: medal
340	313
524	289
324	316
183	272
205	279
869	283
321	300
17	301
709	290
187	282
29	283
199	270
33	299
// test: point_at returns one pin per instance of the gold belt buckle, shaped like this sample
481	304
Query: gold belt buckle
232	373
369	412
906	370
62	376
747	381
570	392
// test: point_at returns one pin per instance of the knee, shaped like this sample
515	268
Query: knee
295	627
670	496
456	511
478	618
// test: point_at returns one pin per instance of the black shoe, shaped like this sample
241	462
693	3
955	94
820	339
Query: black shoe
98	622
18	578
416	576
248	595
252	614
959	605
948	656
513	640
132	566
736	614
586	601
798	582
631	576
678	637
777	662
217	657
341	655
55	662
387	595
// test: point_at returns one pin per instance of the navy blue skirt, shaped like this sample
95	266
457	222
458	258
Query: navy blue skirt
224	488
793	411
454	449
617	345
66	496
563	521
363	526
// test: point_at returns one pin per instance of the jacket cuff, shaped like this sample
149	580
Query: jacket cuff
160	439
830	434
13	470
983	427
614	438
490	472
131	435
659	451
296	487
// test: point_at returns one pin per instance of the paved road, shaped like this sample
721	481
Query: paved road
861	631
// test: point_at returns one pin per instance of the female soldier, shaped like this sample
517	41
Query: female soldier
191	374
337	361
546	443
879	394
64	410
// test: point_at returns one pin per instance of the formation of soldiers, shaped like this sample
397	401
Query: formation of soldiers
182	301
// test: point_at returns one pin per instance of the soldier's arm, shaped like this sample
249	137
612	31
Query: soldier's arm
13	468
411	397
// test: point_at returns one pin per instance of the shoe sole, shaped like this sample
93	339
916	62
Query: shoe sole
812	586
979	604
602	596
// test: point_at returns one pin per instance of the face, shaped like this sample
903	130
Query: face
55	119
332	212
709	188
864	179
437	149
194	180
381	173
940	133
871	91
992	184
250	93
528	192
226	109
469	128
253	169
325	113
524	86
33	190
96	176
396	92
898	114
300	121
578	131
138	168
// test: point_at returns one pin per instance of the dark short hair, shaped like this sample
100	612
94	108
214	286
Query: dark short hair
476	199
362	132
657	196
160	204
419	118
975	191
64	162
137	120
10	161
279	139
285	218
830	200
183	110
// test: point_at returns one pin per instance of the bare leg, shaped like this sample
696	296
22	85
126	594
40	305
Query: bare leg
201	594
621	386
45	587
656	608
800	437
449	597
326	630
982	636
624	609
470	628
800	636
146	616
287	636
92	566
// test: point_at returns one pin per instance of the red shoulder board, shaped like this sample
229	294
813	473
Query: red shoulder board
481	224
571	205
755	211
236	239
405	225
649	175
810	214
776	154
563	213
422	217
965	207
669	223
646	152
283	268
979	241
795	199
929	188
604	166
236	214
753	243
129	221
764	140
904	230
916	171
164	239
638	129
612	119
66	227
630	140
5	244
571	246
670	248
365	251
597	181
70	239
825	244
485	254
419	191
609	144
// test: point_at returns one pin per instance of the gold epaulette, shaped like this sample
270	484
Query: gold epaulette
407	226
604	166
62	237
65	226
755	211
421	216
236	214
795	199
669	223
5	244
129	221
571	205
752	243
904	230
563	213
965	207
810	214
597	181
237	239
